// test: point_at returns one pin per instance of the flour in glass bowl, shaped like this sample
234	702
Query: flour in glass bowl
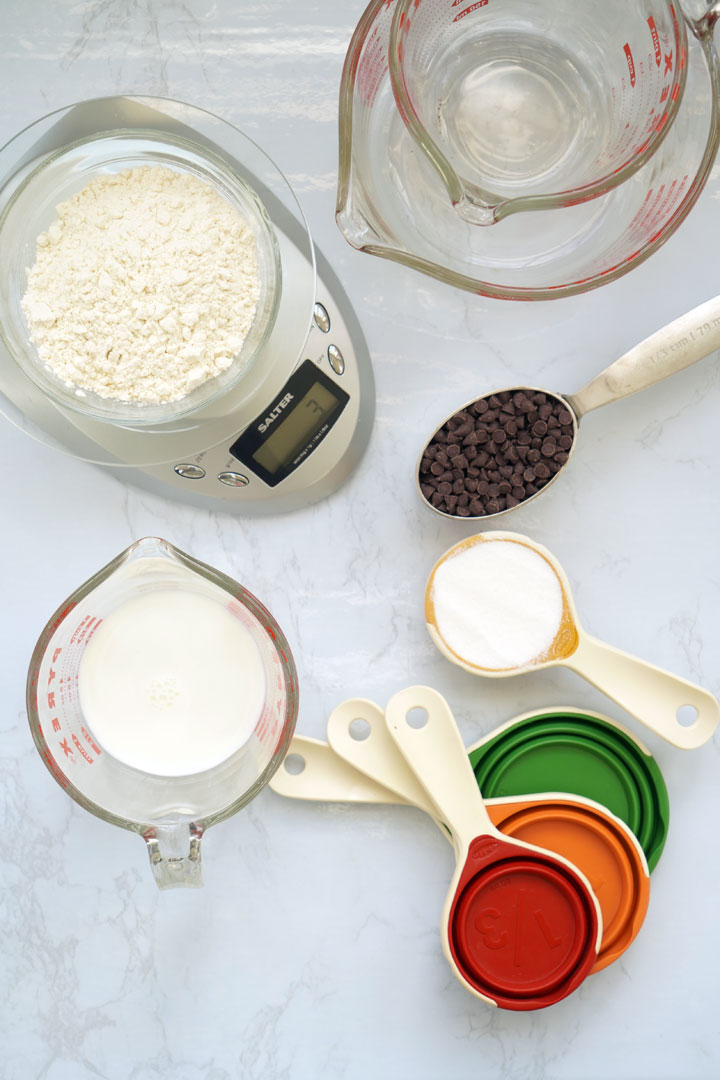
144	287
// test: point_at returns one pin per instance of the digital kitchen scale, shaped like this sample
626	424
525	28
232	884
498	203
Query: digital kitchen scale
296	425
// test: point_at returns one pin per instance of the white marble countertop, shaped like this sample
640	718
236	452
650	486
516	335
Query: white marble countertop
313	950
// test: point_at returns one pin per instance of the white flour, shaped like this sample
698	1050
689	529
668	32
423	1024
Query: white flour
498	604
144	287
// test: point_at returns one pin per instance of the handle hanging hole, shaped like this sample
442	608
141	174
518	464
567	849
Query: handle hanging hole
687	715
416	718
359	729
294	764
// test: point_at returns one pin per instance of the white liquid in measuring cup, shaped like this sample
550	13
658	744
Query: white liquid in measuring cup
171	683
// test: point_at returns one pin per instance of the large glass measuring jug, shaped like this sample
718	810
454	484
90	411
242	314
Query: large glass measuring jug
394	202
170	812
532	104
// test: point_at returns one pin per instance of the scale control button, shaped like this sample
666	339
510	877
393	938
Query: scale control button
190	472
337	360
233	479
322	319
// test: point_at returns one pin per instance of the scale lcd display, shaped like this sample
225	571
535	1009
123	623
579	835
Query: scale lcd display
293	425
291	434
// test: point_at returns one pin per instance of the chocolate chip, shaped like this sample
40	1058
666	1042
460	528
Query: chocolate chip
496	453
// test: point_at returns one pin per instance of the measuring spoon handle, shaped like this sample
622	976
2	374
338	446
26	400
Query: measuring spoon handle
649	693
437	756
675	347
375	755
326	778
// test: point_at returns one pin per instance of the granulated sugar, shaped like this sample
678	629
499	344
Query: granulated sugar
144	287
498	604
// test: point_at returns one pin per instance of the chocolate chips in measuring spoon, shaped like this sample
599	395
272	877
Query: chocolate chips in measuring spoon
496	453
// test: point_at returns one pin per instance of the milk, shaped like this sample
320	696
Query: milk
171	682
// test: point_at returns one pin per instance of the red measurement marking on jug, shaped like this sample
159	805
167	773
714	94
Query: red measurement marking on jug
468	11
656	40
630	63
81	749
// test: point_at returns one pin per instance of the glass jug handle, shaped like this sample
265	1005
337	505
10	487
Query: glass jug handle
171	868
702	15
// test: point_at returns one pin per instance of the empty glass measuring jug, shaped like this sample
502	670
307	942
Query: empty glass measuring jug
143	714
535	104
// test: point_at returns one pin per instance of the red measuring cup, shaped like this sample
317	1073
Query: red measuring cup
521	927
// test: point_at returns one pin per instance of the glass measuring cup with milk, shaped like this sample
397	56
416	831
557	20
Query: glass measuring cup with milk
162	697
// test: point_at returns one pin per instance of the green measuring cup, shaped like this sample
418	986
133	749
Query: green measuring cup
581	753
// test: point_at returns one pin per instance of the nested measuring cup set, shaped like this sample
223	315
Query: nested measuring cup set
525	150
549	886
556	818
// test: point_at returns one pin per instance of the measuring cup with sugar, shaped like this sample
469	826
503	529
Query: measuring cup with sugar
162	697
521	928
530	434
499	604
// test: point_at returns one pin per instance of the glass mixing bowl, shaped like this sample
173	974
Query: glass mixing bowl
59	155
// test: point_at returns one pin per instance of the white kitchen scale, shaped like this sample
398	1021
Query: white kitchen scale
296	424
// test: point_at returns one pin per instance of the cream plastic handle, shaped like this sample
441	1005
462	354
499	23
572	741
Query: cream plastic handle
673	348
175	856
437	756
649	693
326	778
376	756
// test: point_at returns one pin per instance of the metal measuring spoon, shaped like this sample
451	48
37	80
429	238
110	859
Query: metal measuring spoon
655	697
676	346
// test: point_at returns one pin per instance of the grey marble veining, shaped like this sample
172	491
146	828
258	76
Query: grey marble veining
313	951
